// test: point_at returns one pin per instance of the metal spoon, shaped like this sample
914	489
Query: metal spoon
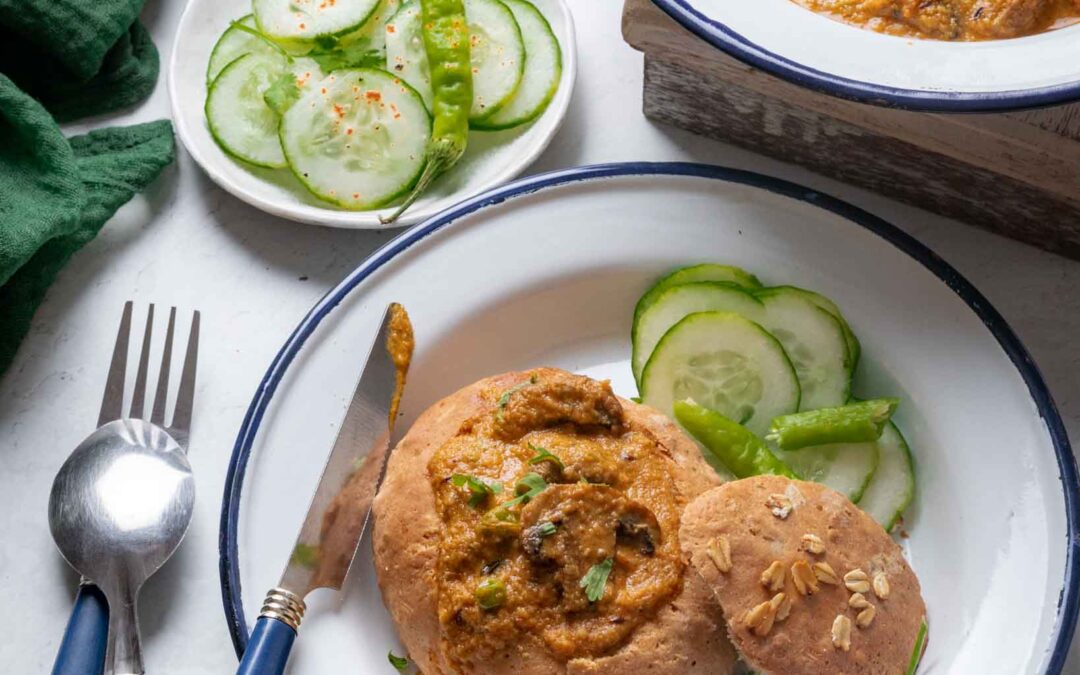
119	507
122	502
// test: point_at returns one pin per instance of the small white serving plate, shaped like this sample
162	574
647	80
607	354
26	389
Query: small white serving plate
547	271
788	40
492	158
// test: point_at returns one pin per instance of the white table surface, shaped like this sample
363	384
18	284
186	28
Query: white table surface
187	243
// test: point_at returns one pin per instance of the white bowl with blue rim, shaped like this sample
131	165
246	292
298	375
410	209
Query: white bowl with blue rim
546	271
786	39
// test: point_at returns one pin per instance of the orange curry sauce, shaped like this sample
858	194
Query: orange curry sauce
960	20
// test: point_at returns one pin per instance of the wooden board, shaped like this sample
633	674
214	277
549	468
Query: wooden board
1014	173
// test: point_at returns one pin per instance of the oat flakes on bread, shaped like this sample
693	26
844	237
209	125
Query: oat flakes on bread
851	604
684	636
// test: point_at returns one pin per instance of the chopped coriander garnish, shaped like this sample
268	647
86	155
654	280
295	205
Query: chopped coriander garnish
542	455
306	555
479	489
596	578
399	662
505	398
546	529
530	485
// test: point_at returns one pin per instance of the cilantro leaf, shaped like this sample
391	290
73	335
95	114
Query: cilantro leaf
306	555
596	578
542	455
530	485
399	662
479	489
331	55
282	93
505	398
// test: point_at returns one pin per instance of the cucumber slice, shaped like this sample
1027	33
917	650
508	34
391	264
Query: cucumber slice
543	70
497	53
708	272
814	340
845	467
233	44
405	53
684	275
893	485
853	346
669	305
724	362
357	138
374	33
310	19
239	119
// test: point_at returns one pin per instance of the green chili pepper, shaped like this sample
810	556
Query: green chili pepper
860	422
491	593
446	41
735	446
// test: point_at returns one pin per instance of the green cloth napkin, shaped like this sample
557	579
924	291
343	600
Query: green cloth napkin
55	195
62	60
78	57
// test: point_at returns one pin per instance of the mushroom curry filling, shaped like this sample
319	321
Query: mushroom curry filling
560	523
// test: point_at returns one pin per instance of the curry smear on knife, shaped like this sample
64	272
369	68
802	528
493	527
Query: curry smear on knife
959	20
400	343
559	523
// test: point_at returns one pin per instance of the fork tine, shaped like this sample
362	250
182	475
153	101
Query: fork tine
158	415
185	396
112	403
138	406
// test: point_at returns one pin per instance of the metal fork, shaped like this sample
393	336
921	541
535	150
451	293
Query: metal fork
112	404
122	502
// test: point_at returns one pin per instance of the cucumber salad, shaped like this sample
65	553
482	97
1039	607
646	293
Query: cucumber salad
761	378
367	102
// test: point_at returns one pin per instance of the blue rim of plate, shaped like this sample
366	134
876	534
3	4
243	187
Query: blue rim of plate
727	40
229	559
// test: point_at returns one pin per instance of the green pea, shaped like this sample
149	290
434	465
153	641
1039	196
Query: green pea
491	593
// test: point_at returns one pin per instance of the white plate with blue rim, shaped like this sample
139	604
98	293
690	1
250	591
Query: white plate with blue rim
492	157
864	65
546	271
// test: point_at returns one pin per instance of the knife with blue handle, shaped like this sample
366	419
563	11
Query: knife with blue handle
341	507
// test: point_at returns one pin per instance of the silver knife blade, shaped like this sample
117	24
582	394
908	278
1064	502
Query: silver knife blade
338	514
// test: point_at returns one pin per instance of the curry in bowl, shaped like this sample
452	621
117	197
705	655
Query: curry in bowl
956	20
